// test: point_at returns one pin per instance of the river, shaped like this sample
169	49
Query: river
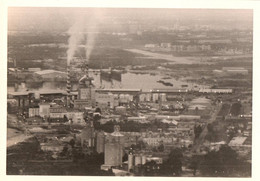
128	81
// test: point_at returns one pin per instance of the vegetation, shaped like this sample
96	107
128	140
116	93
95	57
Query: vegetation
235	109
131	126
224	163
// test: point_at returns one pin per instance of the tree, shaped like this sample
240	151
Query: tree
65	118
72	143
161	147
195	162
221	163
98	110
150	168
125	157
175	161
197	130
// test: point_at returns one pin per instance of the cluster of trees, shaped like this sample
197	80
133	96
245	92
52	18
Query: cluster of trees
221	163
130	126
172	167
224	163
216	132
197	130
235	109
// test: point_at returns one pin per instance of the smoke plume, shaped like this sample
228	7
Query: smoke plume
76	36
85	24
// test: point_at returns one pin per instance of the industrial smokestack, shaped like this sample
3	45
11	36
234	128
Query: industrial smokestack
86	64
68	86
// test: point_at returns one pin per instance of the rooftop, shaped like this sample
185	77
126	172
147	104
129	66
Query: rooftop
237	141
49	71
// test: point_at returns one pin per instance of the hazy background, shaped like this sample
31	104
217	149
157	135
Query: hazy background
60	19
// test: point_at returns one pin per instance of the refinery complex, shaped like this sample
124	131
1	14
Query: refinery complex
130	97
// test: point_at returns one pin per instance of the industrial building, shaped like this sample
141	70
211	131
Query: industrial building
114	145
51	74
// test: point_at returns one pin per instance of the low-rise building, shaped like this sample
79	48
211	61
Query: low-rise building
44	109
223	91
34	112
51	74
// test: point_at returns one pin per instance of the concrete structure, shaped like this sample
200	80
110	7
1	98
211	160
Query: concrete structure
223	91
155	97
178	118
138	119
120	110
158	160
86	91
57	112
104	100
77	117
100	142
237	141
138	160
201	101
163	97
125	98
68	87
166	45
51	74
87	136
130	161
44	109
33	112
114	145
151	45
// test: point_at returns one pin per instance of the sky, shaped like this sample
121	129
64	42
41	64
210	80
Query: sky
60	19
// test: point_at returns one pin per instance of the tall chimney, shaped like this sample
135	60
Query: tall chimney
68	86
86	66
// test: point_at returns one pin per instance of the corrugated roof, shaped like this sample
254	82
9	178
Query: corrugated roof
49	71
237	141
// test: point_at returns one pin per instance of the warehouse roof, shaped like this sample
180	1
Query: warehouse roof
49	71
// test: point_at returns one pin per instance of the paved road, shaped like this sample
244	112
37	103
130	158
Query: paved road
204	132
16	139
15	136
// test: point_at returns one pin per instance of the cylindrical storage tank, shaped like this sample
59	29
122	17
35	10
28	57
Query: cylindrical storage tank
155	97
131	97
148	97
143	159
163	97
138	160
130	161
141	97
37	95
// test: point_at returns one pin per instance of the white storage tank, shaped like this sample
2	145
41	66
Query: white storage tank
143	159
138	160
130	161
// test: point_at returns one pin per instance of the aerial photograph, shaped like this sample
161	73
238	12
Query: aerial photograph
143	92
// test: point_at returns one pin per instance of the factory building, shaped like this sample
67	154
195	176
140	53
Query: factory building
51	74
120	110
114	145
223	91
34	111
87	136
86	92
136	160
106	100
44	110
